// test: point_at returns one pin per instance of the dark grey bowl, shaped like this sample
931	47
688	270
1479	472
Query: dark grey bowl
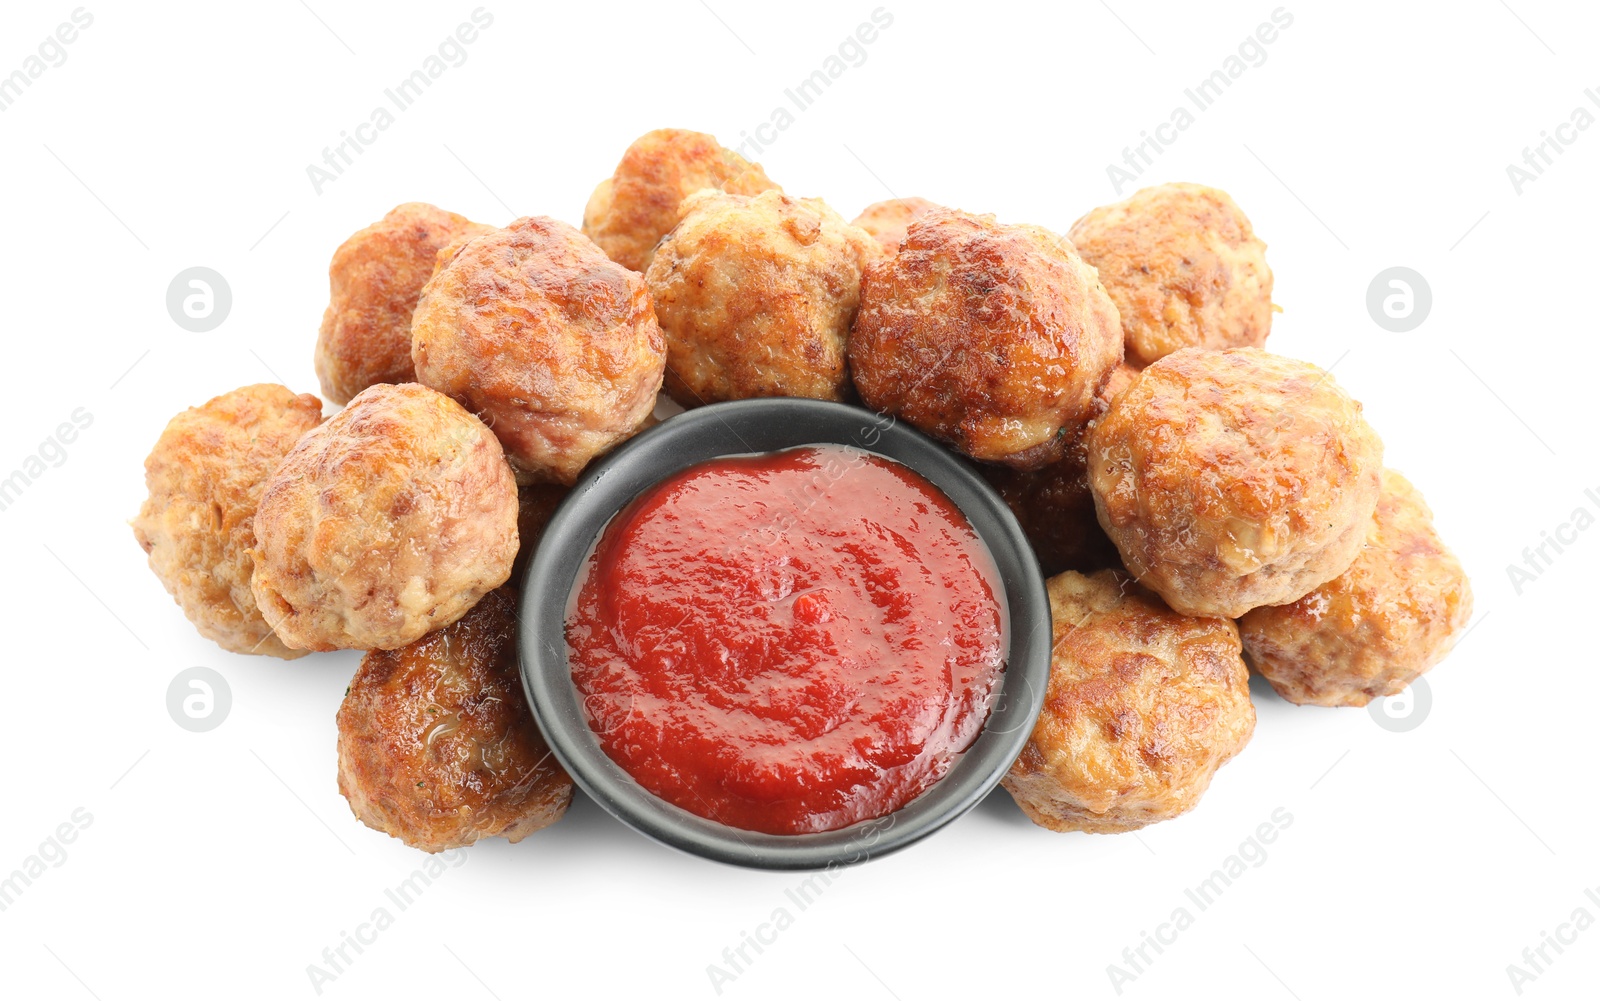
762	426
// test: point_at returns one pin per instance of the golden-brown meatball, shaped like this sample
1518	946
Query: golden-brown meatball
995	338
437	746
205	477
1056	511
635	207
887	221
1121	378
1054	506
384	524
374	281
1232	479
556	347
536	504
1183	266
1143	706
756	295
1375	628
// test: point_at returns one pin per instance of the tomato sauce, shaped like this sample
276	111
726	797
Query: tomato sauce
789	642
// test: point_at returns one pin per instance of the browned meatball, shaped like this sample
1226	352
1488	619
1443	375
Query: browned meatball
554	346
995	338
374	281
1184	267
1121	378
205	477
1232	479
1056	511
756	295
887	221
437	746
1375	628
1144	705
384	524
536	504
635	207
1054	505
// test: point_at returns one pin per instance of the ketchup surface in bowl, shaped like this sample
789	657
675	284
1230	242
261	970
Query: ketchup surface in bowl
790	642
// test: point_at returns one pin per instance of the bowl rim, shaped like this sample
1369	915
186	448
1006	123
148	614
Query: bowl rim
756	426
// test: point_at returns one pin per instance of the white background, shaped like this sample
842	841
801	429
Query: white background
221	864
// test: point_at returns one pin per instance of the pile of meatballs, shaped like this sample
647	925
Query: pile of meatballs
1201	507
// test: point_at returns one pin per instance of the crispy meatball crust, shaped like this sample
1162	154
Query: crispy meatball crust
1375	628
1054	505
374	281
756	295
1184	267
1232	479
633	209
1143	706
553	345
1121	378
995	338
205	477
384	524
1056	511
536	505
437	746
887	220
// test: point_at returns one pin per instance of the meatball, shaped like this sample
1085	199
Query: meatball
556	347
205	477
374	282
887	221
1142	708
384	524
1375	628
1184	268
437	746
1232	479
536	504
1056	511
1121	378
756	295
635	207
995	338
1054	506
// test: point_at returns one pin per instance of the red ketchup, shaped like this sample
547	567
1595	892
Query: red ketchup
789	642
